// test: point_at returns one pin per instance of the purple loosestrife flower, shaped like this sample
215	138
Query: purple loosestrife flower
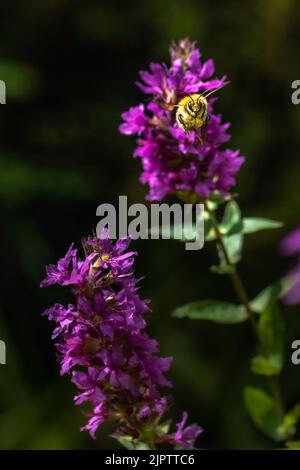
290	246
102	343
172	159
185	437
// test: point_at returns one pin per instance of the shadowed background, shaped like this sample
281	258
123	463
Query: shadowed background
70	69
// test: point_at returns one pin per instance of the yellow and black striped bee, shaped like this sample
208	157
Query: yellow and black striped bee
192	111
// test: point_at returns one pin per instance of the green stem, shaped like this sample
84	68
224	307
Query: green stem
243	297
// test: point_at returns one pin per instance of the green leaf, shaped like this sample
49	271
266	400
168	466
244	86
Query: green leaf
212	205
234	246
232	222
264	366
220	312
271	293
271	332
223	267
264	413
292	417
163	428
254	224
130	444
141	446
231	229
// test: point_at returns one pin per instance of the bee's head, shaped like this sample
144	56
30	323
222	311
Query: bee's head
194	106
191	105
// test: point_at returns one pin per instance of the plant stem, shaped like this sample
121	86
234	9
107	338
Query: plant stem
243	297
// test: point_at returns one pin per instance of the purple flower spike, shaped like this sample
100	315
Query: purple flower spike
102	342
172	159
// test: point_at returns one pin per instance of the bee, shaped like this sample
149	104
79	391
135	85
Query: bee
192	111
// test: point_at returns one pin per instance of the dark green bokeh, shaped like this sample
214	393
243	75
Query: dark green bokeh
70	69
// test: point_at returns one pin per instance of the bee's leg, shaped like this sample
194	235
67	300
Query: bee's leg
181	120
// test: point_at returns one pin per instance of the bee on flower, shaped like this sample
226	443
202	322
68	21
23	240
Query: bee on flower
180	138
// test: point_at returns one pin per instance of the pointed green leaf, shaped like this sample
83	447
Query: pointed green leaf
223	267
271	293
234	246
264	366
232	222
292	418
264	413
129	443
163	428
212	205
220	312
254	224
141	446
271	332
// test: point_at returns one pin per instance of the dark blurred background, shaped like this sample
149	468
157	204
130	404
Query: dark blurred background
70	68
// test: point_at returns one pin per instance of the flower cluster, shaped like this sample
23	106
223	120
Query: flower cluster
102	342
174	160
291	246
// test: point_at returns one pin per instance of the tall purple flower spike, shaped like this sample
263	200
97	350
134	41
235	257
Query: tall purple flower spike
102	343
172	159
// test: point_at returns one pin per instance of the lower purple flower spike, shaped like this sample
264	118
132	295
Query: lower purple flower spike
102	342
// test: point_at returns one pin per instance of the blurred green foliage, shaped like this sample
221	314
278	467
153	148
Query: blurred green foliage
70	69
